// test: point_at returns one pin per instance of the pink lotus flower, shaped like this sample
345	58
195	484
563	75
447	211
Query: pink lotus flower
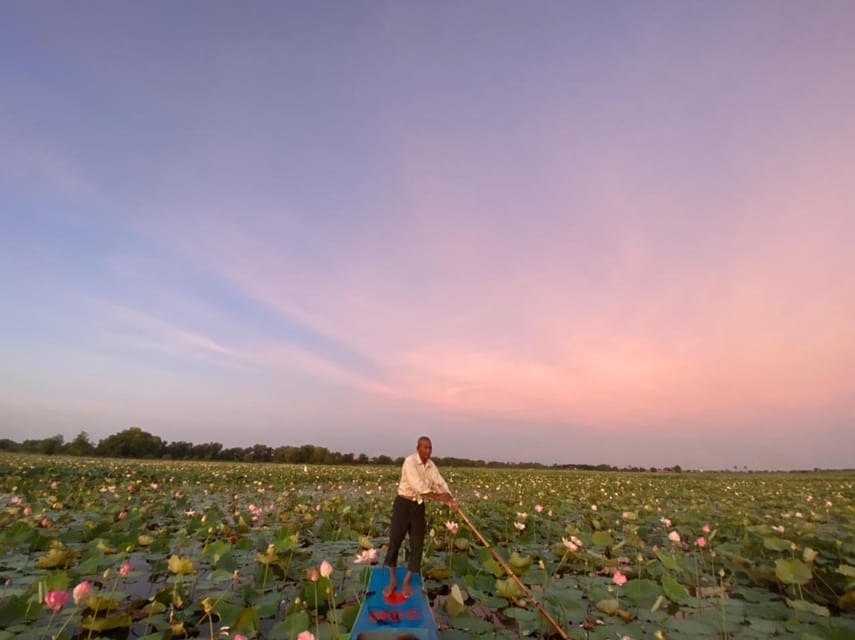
593	507
538	508
238	636
674	536
28	511
125	569
519	526
522	515
56	599
81	592
706	528
305	635
452	526
701	542
326	569
122	515
366	557
570	545
313	575
619	578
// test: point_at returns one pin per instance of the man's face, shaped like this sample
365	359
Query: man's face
424	448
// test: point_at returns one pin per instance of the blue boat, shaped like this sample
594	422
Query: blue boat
395	617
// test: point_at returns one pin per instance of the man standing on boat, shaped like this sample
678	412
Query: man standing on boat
420	479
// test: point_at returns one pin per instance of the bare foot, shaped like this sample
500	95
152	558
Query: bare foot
389	589
407	590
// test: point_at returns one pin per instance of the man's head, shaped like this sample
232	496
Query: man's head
424	448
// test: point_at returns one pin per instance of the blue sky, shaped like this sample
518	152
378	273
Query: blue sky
559	232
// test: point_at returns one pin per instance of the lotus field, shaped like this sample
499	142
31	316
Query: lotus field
96	548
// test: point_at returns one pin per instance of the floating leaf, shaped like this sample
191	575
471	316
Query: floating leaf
804	605
181	566
608	606
773	543
472	624
601	538
643	590
216	550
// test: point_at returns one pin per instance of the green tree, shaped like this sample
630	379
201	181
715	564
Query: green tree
131	443
80	446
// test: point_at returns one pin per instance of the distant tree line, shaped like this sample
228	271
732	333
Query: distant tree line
136	443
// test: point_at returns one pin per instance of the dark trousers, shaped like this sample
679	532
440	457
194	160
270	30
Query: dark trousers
407	517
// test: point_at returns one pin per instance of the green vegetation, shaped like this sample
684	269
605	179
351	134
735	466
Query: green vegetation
138	444
172	549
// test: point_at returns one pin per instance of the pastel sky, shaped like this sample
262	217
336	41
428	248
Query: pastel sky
564	232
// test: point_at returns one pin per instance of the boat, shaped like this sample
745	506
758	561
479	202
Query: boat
395	617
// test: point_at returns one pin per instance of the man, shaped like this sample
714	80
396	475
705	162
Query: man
420	479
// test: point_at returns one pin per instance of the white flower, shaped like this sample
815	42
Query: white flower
674	536
519	526
571	546
452	526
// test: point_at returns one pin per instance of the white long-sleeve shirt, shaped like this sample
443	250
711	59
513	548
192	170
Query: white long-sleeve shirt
417	479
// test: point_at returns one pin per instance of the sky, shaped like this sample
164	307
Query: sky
561	232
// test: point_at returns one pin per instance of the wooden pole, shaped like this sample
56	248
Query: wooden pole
510	572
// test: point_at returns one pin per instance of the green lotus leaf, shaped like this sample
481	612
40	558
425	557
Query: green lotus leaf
181	566
100	603
454	604
520	564
509	589
774	543
247	621
792	571
55	558
608	606
216	549
494	567
641	590
601	538
471	624
804	605
673	589
668	560
846	570
92	623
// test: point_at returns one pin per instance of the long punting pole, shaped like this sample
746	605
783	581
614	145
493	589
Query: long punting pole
510	572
